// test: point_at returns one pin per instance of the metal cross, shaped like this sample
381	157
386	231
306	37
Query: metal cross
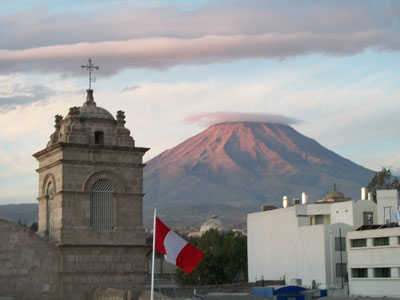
90	67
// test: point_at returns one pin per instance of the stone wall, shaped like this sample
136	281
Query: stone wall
85	268
33	268
28	264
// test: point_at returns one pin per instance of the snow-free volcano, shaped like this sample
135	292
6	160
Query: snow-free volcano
233	168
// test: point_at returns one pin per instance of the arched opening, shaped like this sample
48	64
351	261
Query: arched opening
102	205
49	207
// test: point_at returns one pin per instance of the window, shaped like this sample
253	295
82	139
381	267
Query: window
359	243
319	219
340	241
341	270
382	272
368	217
99	138
102	205
359	273
382	241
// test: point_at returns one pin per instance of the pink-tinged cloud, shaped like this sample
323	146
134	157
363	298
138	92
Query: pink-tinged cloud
212	118
160	53
124	20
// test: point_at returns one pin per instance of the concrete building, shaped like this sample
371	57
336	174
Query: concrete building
90	211
374	252
301	243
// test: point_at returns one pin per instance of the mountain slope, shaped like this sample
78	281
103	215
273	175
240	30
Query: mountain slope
241	166
24	213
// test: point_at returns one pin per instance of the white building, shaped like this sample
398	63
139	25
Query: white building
301	243
374	252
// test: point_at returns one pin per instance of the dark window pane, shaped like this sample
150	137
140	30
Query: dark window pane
359	273
382	241
359	243
337	243
382	272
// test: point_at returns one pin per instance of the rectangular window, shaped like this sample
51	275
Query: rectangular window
382	272
368	217
382	241
319	220
341	270
359	273
99	138
359	243
338	241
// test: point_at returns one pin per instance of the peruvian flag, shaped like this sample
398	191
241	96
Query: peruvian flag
176	250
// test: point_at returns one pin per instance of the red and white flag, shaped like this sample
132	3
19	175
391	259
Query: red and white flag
176	250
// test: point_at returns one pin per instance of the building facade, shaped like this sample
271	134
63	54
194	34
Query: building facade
374	252
90	201
304	243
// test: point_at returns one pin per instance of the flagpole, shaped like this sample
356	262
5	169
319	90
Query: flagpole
152	260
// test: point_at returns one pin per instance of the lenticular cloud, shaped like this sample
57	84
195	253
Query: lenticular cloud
208	119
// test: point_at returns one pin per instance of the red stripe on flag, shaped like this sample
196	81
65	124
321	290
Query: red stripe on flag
188	258
161	232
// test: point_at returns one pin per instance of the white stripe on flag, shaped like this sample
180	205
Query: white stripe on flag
173	244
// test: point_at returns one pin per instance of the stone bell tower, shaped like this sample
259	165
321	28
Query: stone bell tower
90	201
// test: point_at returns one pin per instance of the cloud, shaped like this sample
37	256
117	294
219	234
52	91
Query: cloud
14	91
130	88
161	53
208	119
159	37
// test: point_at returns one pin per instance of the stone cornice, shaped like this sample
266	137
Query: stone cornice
61	145
97	246
89	162
88	193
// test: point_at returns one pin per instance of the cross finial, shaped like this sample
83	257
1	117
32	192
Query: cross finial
90	67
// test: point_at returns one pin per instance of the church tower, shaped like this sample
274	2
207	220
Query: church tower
90	201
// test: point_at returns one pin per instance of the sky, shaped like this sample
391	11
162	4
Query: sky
330	69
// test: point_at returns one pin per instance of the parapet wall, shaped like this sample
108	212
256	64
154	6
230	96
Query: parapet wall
28	264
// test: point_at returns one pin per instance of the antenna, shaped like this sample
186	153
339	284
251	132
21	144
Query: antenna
90	67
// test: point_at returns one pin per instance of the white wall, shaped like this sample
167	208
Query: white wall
278	247
364	206
333	256
342	212
386	198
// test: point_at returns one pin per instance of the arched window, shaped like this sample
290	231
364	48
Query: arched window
49	207
102	205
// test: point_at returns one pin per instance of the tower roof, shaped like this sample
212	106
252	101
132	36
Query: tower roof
92	125
91	110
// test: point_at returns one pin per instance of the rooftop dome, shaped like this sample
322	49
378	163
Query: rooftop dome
90	110
212	223
334	194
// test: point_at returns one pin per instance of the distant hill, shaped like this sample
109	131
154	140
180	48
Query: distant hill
24	213
233	168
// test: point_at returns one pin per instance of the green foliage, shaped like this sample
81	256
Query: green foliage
383	180
225	259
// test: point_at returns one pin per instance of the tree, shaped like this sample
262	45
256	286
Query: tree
225	259
383	180
34	227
